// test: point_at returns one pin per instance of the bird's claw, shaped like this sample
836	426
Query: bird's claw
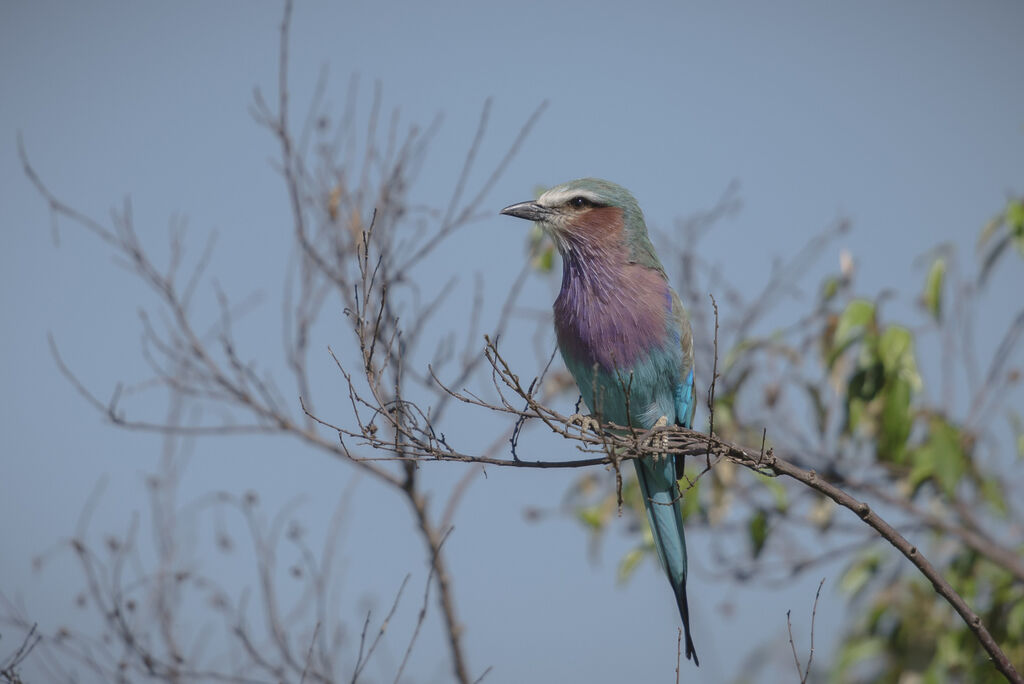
661	439
585	422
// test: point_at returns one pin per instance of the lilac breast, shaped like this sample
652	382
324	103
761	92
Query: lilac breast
610	315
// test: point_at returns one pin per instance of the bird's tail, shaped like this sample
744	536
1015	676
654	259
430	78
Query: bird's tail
664	512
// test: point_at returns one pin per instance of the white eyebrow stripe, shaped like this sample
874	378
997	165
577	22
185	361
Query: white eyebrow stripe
558	196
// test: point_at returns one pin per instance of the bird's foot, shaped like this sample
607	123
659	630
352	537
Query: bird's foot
660	441
585	422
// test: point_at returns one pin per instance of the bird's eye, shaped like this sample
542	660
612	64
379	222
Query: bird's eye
580	202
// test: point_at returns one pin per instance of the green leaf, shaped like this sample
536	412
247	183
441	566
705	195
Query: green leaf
950	460
757	529
542	250
829	289
989	229
738	352
1017	425
1015	216
544	261
852	322
952	653
822	512
896	350
897	420
778	492
875	615
1015	621
629	563
1013	219
942	459
691	495
933	288
922	468
989	262
858	650
935	674
592	517
893	345
854	414
723	412
992	493
867	382
857	575
821	409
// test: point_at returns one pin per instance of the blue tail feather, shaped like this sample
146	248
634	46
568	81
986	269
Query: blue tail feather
664	512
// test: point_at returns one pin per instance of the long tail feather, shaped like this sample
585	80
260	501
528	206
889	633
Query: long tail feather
664	512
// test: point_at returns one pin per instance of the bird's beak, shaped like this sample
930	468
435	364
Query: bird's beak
531	211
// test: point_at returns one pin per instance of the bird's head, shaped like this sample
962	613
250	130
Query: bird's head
587	214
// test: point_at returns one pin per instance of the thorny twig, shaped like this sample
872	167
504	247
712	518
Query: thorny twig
9	665
714	381
802	672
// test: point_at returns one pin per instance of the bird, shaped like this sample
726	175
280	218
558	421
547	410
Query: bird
626	339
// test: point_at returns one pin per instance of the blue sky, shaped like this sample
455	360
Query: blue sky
907	119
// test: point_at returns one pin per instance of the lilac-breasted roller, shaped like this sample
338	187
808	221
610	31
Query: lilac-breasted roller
626	339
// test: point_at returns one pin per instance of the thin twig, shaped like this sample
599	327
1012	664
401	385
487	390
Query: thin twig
711	388
309	653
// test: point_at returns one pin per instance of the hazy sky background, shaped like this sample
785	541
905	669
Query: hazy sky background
907	119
